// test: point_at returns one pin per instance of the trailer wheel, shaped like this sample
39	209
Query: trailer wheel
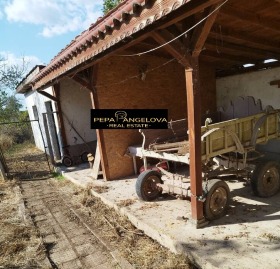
217	199
67	161
146	185
265	180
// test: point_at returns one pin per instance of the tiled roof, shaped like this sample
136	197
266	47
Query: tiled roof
129	17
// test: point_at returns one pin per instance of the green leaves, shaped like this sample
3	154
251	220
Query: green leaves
109	4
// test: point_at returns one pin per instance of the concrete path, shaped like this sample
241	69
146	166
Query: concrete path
247	238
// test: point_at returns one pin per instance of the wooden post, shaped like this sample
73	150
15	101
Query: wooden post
194	125
99	133
100	143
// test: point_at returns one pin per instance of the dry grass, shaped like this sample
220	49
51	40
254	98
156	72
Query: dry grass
126	202
140	250
271	237
6	141
100	189
20	247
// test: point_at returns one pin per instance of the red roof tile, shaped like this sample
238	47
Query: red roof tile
99	36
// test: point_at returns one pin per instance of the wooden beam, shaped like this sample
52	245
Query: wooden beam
81	81
175	48
250	17
56	91
99	132
222	56
53	98
239	50
194	125
242	37
201	32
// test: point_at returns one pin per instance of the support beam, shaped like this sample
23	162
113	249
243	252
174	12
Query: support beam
99	133
194	125
175	48
53	98
201	32
84	83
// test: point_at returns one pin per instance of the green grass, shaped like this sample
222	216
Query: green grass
58	176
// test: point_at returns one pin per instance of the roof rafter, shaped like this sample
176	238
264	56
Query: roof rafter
250	17
191	8
236	36
238	50
201	32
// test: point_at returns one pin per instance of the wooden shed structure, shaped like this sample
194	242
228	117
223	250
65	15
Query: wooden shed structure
165	54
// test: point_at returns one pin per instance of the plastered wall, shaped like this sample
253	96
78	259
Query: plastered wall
35	99
254	84
164	87
75	106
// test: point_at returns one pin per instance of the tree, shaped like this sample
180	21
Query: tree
109	4
10	77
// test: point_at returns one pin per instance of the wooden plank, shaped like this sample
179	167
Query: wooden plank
47	133
170	145
96	164
139	152
194	116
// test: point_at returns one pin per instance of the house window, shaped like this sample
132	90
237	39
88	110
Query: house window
35	113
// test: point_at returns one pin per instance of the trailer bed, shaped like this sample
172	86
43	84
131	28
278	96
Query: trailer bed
236	135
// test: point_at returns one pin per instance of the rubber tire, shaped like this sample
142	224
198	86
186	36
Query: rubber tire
212	186
257	183
142	180
67	161
83	156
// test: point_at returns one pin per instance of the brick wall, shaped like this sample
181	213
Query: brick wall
162	88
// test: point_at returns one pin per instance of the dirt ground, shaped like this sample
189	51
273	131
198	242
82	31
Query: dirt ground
22	245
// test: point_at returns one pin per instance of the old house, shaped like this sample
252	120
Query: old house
187	56
57	125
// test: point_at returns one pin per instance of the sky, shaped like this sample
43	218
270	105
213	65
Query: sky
37	30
